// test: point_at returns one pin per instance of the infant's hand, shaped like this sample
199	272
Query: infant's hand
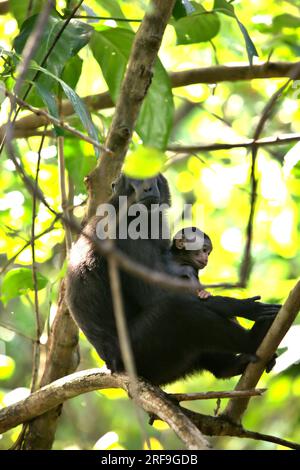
203	294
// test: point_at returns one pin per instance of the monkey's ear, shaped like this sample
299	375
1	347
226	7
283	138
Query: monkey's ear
180	243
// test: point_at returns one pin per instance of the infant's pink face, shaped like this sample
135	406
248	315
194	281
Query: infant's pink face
200	257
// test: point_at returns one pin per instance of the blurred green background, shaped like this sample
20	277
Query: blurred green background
218	186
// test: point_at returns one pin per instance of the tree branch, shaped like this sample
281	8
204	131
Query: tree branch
188	425
208	75
282	139
180	397
134	88
150	398
58	122
266	350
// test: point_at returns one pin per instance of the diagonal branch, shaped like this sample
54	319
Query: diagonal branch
266	350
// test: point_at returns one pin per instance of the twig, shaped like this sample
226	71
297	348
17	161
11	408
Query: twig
27	244
36	346
17	332
283	139
63	191
180	397
91	17
246	263
124	339
58	122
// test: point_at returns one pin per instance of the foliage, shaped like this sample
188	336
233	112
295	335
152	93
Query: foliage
90	58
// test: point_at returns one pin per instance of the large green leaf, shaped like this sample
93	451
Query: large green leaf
19	281
78	105
200	26
74	37
72	71
156	115
111	49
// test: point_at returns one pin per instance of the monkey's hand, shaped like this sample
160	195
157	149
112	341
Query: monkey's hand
203	294
247	308
254	310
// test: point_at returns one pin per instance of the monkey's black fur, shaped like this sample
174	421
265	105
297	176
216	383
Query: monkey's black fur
172	334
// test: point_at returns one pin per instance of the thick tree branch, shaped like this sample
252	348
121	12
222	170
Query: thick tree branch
134	88
266	350
188	425
209	75
150	398
218	426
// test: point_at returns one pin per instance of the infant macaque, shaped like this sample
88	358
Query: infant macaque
190	250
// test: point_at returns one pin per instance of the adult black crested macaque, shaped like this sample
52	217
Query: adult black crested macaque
172	334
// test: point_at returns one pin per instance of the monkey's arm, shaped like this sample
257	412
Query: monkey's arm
248	308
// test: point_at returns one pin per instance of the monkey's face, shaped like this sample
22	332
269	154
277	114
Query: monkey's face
143	191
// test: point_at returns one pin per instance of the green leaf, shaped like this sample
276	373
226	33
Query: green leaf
72	71
145	162
50	102
200	26
74	37
78	104
111	49
156	115
251	49
19	281
221	6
